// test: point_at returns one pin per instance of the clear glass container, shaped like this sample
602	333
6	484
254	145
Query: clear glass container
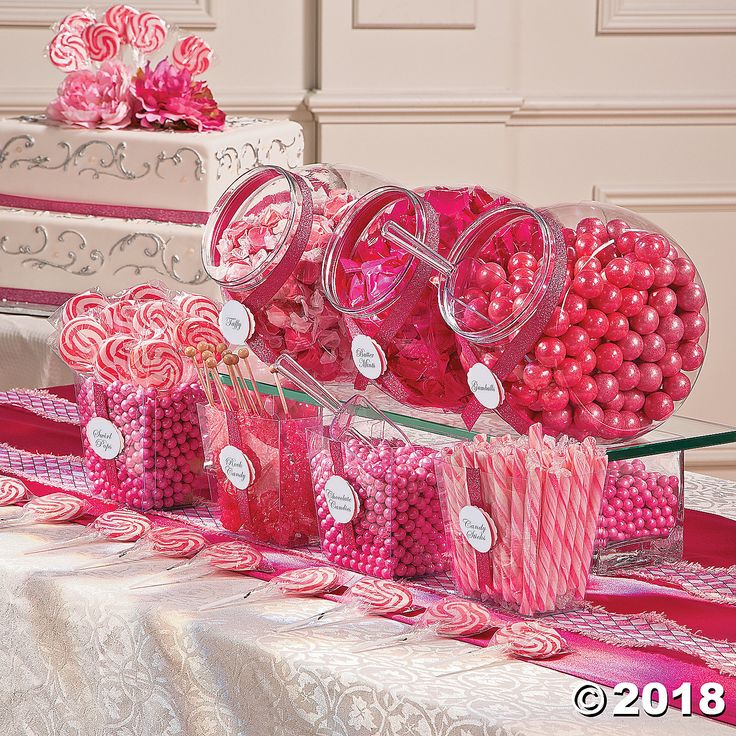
264	244
593	318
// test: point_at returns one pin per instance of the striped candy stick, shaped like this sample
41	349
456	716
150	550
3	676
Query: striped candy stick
559	479
537	552
502	470
579	468
517	459
549	531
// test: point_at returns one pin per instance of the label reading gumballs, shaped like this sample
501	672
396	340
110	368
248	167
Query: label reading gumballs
478	528
485	386
236	322
104	438
237	467
369	358
342	500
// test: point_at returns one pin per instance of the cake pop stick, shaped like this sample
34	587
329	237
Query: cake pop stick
243	384
244	353
191	352
211	365
275	373
244	400
202	348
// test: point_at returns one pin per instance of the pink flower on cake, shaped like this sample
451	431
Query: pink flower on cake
168	97
95	99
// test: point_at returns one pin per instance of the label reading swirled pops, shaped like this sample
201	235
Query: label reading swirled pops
237	467
478	528
342	500
104	438
485	386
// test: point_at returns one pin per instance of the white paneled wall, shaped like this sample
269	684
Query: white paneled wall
633	101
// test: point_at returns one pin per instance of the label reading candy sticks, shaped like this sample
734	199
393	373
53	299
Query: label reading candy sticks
237	467
342	501
478	528
485	386
104	438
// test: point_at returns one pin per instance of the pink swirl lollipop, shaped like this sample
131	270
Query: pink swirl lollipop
147	32
155	318
144	293
172	541
117	317
122	525
458	617
199	306
76	22
111	362
156	364
102	42
195	329
68	52
11	491
81	304
118	17
234	556
55	507
307	581
382	597
192	53
79	342
530	640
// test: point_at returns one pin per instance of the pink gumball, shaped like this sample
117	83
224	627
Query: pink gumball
650	377
671	329
677	386
658	406
692	355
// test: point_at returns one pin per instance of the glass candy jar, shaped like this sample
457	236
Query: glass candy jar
264	244
593	319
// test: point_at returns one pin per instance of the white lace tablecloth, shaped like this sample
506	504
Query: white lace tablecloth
81	655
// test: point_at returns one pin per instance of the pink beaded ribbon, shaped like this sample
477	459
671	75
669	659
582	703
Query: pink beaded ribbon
482	560
99	398
530	332
42	403
236	440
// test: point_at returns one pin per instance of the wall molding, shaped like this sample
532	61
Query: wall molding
719	461
401	14
695	198
43	13
673	16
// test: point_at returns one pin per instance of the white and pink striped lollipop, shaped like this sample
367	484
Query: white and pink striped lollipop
79	342
156	364
233	556
111	362
11	491
193	54
307	581
147	32
118	17
102	41
81	304
192	330
122	525
382	597
175	541
530	640
156	318
196	305
54	508
458	617
76	22
117	317
145	292
68	52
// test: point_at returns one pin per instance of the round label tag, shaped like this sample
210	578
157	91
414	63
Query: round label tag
342	500
237	467
104	438
478	528
485	386
236	322
368	356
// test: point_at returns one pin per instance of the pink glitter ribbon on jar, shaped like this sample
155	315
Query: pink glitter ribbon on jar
482	559
99	399
235	439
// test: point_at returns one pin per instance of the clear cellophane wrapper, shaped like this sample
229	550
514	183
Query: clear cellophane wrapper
396	529
538	507
277	507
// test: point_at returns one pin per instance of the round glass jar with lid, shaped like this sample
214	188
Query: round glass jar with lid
593	318
264	244
379	273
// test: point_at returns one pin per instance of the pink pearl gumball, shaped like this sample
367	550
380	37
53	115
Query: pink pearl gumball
588	419
568	373
664	272
609	300
584	392
618	272
587	284
557	421
616	227
658	406
612	424
671	329
550	352
631	302
523	395
627	375
693	325
650	377
642	276
631	345
553	398
670	364
626	242
576	307
618	326
646	321
664	300
595	323
691	298
607	387
609	357
633	400
692	356
537	376
558	323
489	276
575	340
654	348
684	271
677	386
650	248
631	423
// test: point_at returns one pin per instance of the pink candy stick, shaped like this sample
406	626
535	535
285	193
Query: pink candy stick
578	467
518	493
535	559
554	526
597	466
501	507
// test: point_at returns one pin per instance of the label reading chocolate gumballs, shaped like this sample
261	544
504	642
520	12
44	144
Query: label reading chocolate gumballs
478	528
237	467
236	322
342	501
104	438
485	386
369	358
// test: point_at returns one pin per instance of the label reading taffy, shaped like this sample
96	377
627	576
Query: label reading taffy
104	438
236	322
478	528
237	467
485	386
369	358
342	501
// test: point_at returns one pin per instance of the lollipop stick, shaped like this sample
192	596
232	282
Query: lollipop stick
392	641
244	353
239	597
75	542
145	583
493	663
191	352
239	381
108	561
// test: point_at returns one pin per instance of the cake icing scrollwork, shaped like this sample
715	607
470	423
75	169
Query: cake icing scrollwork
234	161
66	253
177	159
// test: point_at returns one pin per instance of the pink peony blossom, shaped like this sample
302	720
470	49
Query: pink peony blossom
95	99
168	97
